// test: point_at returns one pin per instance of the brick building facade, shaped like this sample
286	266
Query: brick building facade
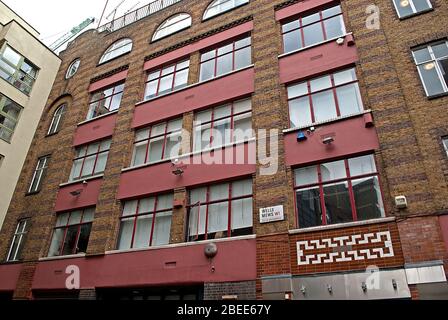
359	113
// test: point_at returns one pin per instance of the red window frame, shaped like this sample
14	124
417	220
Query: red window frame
232	116
67	226
333	88
301	26
115	92
85	156
137	215
216	56
159	77
208	202
148	140
321	184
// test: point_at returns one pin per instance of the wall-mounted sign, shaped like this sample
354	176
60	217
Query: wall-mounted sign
271	214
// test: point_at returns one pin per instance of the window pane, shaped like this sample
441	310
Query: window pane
331	12
101	163
362	165
349	99
306	176
84	238
421	5
172	146
139	153
125	238
56	242
181	79
76	170
422	55
290	26
218	219
198	195
196	225
224	64
404	8
243	58
221	132
344	76
241	188
334	27
116	101
368	200
146	205
207	70
431	79
309	208
300	112
337	203
155	149
297	90
242	214
292	41
440	50
320	83
333	171
162	228
12	56
89	163
310	19
243	43
166	84
165	202
88	215
313	34
75	217
324	106
443	64
143	231
151	89
130	208
219	192
70	241
14	248
242	127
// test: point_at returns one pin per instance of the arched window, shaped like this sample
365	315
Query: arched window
72	69
57	119
220	6
171	25
117	49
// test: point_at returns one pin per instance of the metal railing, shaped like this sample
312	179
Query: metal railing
136	15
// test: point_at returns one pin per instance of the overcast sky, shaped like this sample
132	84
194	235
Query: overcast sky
53	18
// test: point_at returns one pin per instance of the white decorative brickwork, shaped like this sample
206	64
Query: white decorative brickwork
343	249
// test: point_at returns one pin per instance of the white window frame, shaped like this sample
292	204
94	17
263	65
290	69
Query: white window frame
21	231
3	101
57	119
414	10
73	68
217	3
169	25
117	45
41	167
445	144
437	67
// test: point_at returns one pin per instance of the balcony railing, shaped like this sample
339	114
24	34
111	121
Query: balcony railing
136	15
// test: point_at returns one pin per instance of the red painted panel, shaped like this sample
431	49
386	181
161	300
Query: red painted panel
159	178
444	225
108	81
88	197
316	60
95	130
199	45
226	88
235	261
9	275
351	137
300	7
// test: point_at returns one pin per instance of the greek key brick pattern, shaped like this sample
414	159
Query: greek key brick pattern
343	248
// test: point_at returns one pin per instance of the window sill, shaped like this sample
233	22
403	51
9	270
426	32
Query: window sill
436	96
342	225
194	85
97	118
187	155
313	46
316	124
416	14
87	179
72	256
184	244
29	194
